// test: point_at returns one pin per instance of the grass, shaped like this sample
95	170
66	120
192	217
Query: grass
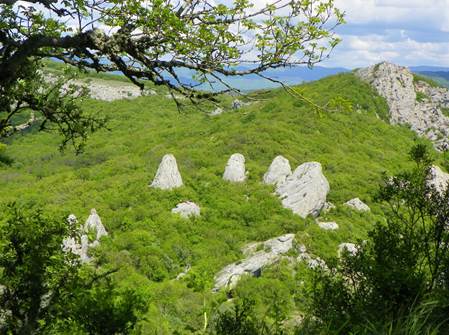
428	80
151	246
420	97
445	111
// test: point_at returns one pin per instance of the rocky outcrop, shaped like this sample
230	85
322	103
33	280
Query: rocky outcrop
351	248
93	223
411	102
78	243
237	104
272	251
328	225
312	262
305	191
216	111
235	169
105	90
187	209
167	175
278	171
114	90
438	179
328	206
358	205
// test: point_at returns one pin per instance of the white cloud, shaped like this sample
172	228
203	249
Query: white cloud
408	32
360	51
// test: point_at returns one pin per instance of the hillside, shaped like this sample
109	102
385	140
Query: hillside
351	138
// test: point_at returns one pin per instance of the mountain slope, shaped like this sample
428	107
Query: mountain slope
151	246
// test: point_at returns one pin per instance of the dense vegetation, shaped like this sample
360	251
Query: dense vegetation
150	246
397	280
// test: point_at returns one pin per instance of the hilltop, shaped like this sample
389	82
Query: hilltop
350	135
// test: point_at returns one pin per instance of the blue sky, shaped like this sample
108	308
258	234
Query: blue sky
407	32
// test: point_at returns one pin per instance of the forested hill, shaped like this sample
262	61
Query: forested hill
343	124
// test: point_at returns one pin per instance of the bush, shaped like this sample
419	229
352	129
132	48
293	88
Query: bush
402	266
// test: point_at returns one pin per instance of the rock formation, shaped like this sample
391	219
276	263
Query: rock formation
358	205
167	175
235	169
351	248
93	223
328	225
438	179
305	191
237	104
328	206
78	242
411	102
278	171
272	251
187	209
216	111
312	262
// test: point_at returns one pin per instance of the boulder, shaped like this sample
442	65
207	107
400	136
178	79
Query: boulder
235	169
216	112
167	175
328	225
93	222
358	205
271	252
186	209
438	179
237	104
278	171
311	262
305	191
328	206
349	247
72	220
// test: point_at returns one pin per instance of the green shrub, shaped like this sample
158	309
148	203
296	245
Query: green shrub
420	97
402	265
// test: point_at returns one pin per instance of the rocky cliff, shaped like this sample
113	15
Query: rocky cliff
412	101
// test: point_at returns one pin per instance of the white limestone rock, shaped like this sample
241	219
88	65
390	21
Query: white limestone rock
167	175
312	262
187	209
358	205
237	104
328	206
184	273
272	251
278	171
93	222
351	248
78	243
216	111
72	220
328	225
425	116
83	252
438	179
235	169
305	191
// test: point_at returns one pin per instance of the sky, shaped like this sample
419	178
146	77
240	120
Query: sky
406	32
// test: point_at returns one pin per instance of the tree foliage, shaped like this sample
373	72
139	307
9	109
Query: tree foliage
402	266
46	290
150	41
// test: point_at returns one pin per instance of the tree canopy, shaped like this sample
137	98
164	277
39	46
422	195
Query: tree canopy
150	41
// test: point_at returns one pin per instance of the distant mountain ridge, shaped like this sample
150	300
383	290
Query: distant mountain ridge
293	75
